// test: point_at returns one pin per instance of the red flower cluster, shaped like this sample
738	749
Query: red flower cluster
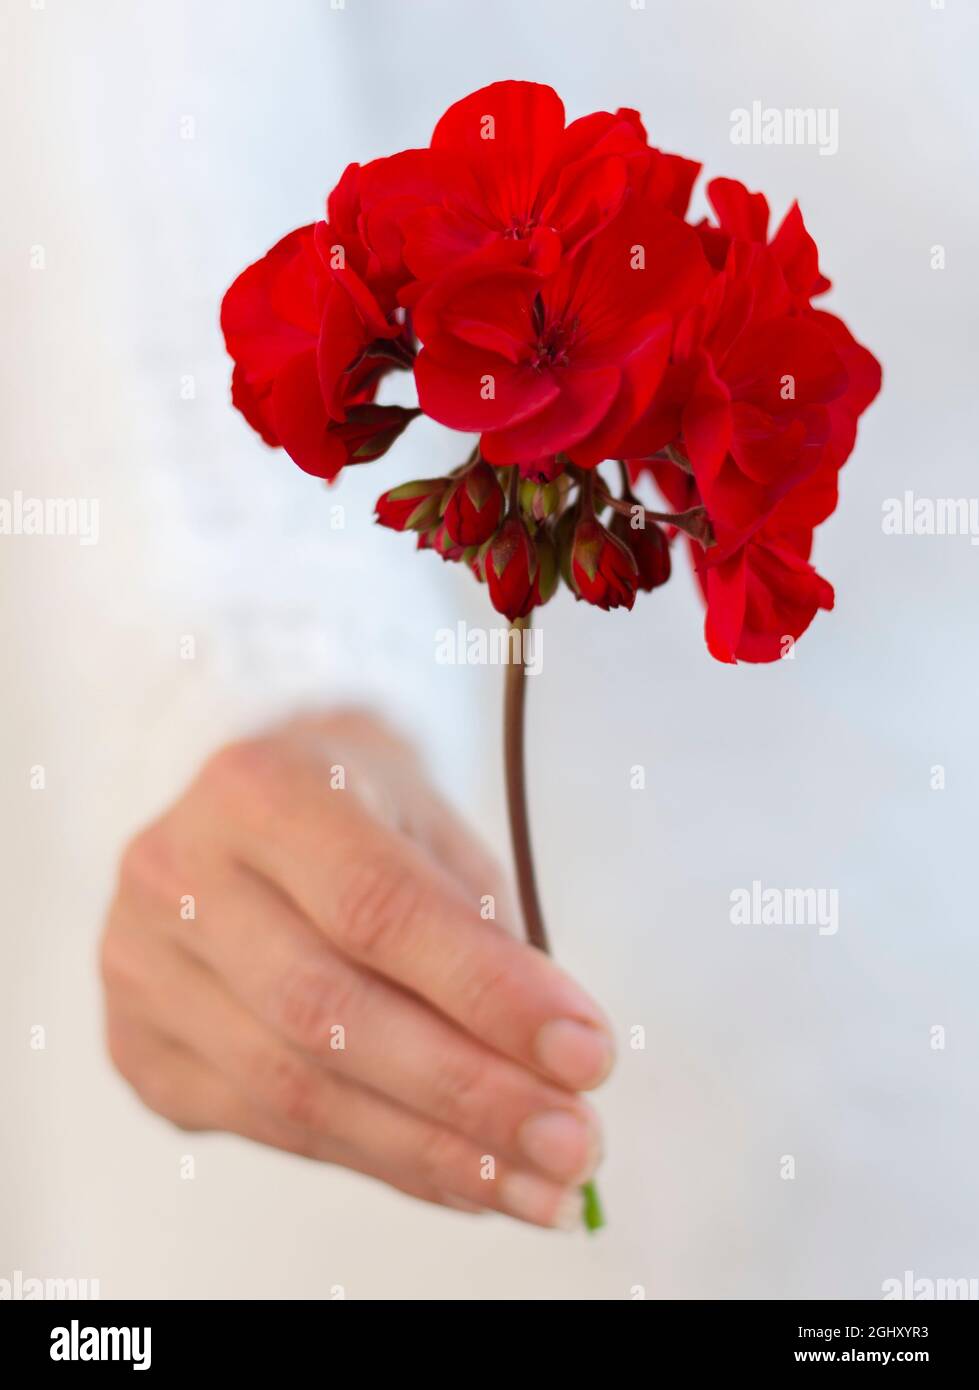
545	286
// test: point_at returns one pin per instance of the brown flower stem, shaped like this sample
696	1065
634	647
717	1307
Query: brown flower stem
627	494
513	496
588	494
514	763
694	522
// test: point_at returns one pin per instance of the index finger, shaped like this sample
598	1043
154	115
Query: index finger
384	904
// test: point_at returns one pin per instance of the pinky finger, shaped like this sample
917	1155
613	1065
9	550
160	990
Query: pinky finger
256	1124
183	1088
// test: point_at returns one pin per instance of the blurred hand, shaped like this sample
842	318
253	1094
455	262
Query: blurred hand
332	988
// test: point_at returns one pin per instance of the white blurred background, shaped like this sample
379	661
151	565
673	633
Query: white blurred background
151	150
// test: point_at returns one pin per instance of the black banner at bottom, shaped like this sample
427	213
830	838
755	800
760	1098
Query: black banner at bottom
169	1339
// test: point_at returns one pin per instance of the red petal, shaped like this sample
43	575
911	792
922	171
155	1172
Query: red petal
796	253
641	265
580	400
452	392
271	310
768	353
740	213
588	195
707	422
301	420
514	129
725	584
784	594
343	338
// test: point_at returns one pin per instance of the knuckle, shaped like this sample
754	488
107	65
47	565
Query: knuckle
460	1085
290	1088
485	990
244	769
377	903
309	1002
444	1159
146	866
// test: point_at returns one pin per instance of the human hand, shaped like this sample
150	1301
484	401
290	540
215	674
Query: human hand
336	992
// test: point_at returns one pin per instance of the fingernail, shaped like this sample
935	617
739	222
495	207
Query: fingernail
578	1054
534	1199
564	1144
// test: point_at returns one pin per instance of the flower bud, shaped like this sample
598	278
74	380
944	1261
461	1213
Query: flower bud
475	506
512	568
563	541
370	430
412	506
548	560
438	539
539	500
650	550
602	568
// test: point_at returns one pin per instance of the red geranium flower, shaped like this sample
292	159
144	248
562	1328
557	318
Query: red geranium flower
271	318
745	216
564	363
359	246
568	314
747	398
518	186
761	593
763	596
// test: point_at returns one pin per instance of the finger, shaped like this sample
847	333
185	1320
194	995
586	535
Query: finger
179	1085
166	1077
279	967
379	902
290	1087
462	854
385	775
284	972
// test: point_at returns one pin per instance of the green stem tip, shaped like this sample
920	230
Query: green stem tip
594	1216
